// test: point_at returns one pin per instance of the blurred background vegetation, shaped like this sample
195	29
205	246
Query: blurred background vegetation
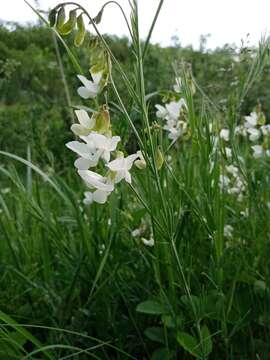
34	105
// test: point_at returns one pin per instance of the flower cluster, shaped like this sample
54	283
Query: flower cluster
173	114
96	148
231	181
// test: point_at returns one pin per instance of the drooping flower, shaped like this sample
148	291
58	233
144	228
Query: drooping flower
98	196
96	181
86	124
90	88
121	167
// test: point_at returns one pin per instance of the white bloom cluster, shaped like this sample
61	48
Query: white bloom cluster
171	114
96	147
231	182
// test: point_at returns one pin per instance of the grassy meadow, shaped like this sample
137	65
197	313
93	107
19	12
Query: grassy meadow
134	198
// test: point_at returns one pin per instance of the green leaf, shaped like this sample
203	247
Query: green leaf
80	35
69	25
189	343
206	341
155	333
153	307
163	354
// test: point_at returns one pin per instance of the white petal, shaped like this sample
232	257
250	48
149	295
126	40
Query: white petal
88	199
87	83
100	196
114	141
84	164
85	93
79	130
128	177
95	180
84	119
130	160
117	164
97	77
79	148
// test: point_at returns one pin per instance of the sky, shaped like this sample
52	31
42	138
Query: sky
228	21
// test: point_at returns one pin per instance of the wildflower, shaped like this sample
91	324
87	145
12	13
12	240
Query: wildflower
161	111
174	108
149	242
228	231
257	151
103	145
225	134
228	152
90	88
86	124
98	196
254	134
265	129
251	120
140	163
121	167
136	232
96	181
89	156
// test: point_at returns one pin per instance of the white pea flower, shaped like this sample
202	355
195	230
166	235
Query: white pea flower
257	151
265	129
228	231
251	120
86	124
103	145
136	232
225	134
98	196
174	108
233	170
90	88
96	181
121	167
254	134
140	163
161	111
228	152
149	242
89	156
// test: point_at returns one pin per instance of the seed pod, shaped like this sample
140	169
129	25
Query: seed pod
52	17
80	35
61	17
103	123
69	25
159	159
97	19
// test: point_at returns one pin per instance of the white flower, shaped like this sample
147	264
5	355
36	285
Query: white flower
233	170
86	124
89	157
121	167
103	145
136	232
224	181
254	134
99	196
265	129
174	108
228	152
90	88
178	86
228	231
161	111
257	151
225	134
96	181
251	120
140	163
149	242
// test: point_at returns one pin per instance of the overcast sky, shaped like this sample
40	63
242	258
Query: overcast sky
228	21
